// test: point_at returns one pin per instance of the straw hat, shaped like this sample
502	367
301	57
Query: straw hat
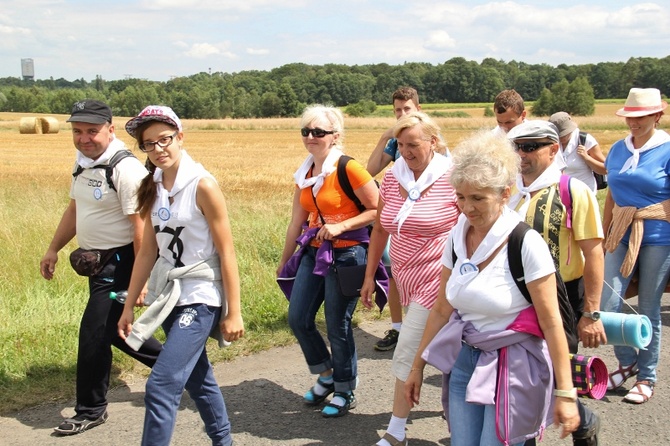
642	102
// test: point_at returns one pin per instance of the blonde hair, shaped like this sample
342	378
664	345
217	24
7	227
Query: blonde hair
485	160
429	129
332	115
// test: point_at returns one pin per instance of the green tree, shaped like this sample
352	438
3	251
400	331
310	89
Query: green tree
581	101
543	104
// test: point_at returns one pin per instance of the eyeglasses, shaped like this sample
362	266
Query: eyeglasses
150	146
317	132
528	147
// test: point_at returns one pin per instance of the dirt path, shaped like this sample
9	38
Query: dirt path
263	394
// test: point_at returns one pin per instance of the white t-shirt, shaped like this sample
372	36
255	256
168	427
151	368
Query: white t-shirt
102	213
491	301
576	166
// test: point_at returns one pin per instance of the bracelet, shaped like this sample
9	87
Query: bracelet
414	369
569	394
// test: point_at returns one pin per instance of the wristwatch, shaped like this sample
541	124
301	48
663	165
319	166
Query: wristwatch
570	394
593	315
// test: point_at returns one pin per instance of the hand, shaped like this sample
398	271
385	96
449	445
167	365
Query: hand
125	325
366	292
413	387
329	231
143	294
581	151
232	327
566	416
591	333
48	264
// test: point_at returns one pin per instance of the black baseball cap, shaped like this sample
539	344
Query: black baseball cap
91	112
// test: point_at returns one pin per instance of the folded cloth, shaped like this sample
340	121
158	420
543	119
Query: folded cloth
633	330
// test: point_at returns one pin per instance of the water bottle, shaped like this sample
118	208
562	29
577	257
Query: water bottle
120	297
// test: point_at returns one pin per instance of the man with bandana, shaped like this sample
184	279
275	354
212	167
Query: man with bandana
102	215
576	248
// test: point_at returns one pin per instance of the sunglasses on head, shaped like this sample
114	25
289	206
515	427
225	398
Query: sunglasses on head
527	147
317	132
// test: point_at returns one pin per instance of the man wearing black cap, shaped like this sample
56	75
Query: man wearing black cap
102	215
574	237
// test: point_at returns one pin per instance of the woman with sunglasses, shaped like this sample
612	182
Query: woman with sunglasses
328	221
637	232
194	287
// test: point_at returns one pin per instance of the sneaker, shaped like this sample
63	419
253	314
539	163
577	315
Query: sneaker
78	424
389	341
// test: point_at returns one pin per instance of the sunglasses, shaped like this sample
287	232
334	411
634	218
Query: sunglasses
528	147
317	132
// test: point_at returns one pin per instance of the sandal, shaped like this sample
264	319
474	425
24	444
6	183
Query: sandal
78	424
394	441
640	393
313	398
618	377
340	404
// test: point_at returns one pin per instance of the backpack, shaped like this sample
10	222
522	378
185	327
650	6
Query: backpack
109	168
514	244
343	178
601	180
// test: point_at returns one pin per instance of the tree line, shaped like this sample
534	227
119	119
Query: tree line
284	91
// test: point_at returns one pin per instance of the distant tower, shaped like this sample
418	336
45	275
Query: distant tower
27	69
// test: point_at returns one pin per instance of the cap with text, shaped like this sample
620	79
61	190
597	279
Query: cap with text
90	111
158	113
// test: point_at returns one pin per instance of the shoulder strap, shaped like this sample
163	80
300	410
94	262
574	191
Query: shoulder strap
343	178
566	197
514	244
109	168
582	138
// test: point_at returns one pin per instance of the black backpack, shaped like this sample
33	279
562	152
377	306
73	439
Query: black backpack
343	178
514	245
109	168
601	180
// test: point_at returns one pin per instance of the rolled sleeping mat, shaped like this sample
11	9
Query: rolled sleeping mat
633	330
589	375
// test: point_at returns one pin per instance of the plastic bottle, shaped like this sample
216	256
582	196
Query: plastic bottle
120	297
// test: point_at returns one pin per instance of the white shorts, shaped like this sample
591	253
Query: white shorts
413	325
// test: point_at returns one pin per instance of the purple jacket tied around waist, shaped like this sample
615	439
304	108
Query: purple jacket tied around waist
324	261
514	372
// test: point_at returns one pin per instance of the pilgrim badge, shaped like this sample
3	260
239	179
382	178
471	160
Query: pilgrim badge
414	194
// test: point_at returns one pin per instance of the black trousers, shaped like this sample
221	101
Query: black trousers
98	332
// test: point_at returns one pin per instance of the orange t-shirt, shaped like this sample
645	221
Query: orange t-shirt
334	204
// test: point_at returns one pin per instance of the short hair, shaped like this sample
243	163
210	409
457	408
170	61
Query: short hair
321	112
484	160
429	128
406	94
508	99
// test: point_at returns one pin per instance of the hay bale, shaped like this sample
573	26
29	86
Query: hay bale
49	124
29	126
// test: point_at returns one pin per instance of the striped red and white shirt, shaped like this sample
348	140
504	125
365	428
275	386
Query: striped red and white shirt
417	251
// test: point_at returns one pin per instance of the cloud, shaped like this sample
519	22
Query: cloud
205	50
258	51
4	29
439	40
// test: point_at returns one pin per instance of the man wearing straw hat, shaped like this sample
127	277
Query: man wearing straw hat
102	215
574	237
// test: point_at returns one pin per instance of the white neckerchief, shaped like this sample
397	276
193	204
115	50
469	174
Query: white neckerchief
188	171
328	167
659	137
114	146
437	167
572	144
551	175
496	236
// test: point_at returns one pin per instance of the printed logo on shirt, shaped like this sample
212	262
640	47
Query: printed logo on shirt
187	317
97	193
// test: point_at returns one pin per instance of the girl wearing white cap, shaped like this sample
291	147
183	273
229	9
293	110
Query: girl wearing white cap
194	287
637	238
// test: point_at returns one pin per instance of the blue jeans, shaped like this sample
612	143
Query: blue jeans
309	292
183	364
653	267
470	424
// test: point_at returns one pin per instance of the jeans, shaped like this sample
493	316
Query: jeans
653	267
309	292
98	332
183	364
470	424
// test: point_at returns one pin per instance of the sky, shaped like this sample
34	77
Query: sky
162	39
